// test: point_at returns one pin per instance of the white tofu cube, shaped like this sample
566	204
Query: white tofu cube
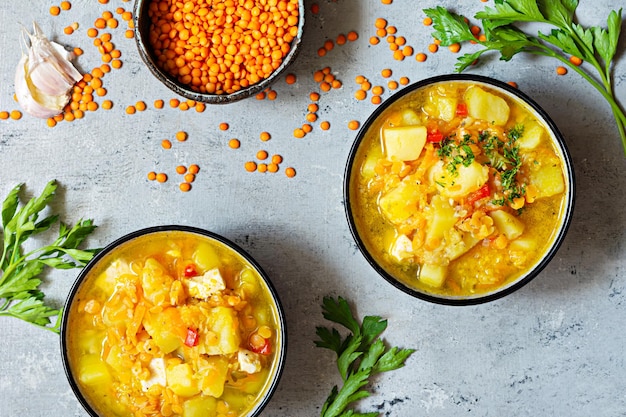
402	248
157	374
249	362
202	287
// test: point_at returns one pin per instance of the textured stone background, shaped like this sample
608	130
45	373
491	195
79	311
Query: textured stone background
554	348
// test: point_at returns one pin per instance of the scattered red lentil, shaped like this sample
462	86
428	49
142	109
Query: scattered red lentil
352	36
265	136
262	155
140	106
250	166
298	133
262	167
166	144
189	177
420	57
353	125
512	84
184	187
290	78
55	10
374	40
560	70
158	104
454	48
575	60
15	114
161	177
107	104
277	159
152	176
181	136
433	47
325	125
404	80
131	109
224	126
290	172
181	169
194	168
234	143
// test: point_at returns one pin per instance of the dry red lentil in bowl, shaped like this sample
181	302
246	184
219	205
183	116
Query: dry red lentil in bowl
218	51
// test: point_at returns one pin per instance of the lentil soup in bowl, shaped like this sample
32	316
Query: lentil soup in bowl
459	189
218	51
173	321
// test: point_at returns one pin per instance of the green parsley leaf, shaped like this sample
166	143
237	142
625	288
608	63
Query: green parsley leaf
360	355
20	296
596	45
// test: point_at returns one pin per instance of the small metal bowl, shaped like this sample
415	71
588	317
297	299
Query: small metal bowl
360	231
142	35
91	274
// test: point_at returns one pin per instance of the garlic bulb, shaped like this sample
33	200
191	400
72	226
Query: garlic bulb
44	77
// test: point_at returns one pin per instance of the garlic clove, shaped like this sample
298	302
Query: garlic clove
33	102
49	66
44	77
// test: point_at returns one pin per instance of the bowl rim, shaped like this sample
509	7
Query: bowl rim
569	198
141	7
281	357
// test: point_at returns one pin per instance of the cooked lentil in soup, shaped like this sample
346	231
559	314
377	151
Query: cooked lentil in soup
457	189
173	324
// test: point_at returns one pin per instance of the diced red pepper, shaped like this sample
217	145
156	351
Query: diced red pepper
193	338
461	109
266	349
482	192
435	136
190	271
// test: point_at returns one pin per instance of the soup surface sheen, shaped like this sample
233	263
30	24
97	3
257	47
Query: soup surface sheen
173	324
457	189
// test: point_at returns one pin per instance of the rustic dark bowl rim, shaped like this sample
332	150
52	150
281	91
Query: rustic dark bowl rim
282	324
142	26
567	215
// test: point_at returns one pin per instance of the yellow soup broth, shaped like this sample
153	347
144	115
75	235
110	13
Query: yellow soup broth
457	189
173	324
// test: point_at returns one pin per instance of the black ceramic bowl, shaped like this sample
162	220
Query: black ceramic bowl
142	23
171	242
363	229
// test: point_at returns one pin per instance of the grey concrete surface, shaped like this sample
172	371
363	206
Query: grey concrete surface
553	348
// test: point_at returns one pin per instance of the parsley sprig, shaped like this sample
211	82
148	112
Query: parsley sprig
360	355
20	296
595	45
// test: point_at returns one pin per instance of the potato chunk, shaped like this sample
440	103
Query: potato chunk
400	202
222	337
486	106
443	219
548	179
465	180
507	224
404	143
433	275
181	380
